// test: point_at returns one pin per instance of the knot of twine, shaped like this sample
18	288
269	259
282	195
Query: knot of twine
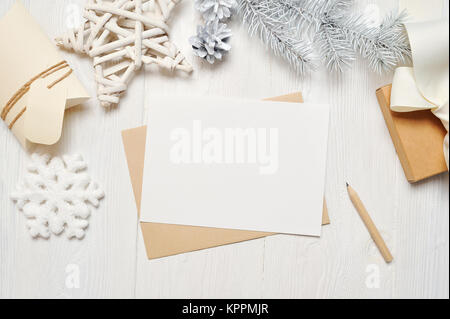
26	87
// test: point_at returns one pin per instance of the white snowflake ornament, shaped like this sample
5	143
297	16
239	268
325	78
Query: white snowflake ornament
55	196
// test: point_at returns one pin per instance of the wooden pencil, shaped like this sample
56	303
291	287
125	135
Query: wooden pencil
374	233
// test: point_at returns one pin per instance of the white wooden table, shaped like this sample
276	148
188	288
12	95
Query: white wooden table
343	263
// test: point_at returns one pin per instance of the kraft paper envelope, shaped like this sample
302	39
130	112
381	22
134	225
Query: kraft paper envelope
163	240
37	85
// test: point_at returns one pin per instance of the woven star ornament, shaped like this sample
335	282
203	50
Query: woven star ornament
121	36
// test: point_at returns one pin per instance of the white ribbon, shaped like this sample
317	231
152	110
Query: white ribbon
425	85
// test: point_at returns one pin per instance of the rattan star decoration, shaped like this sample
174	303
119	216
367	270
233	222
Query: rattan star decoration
121	36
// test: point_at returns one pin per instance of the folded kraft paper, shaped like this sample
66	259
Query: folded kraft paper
37	83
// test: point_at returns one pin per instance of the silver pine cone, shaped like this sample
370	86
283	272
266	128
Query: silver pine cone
211	41
215	9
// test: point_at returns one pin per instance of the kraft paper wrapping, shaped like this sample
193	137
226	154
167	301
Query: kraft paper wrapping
27	52
415	107
162	240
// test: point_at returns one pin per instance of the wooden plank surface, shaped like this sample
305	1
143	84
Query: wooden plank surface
343	263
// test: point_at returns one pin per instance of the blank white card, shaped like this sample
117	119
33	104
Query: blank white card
239	164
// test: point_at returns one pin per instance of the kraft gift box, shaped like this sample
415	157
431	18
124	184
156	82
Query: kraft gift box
163	240
418	138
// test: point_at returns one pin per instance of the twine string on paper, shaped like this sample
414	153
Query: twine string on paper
26	87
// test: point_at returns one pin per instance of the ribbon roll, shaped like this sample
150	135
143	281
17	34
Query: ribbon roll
425	85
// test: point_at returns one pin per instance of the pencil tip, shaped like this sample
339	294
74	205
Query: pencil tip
346	184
